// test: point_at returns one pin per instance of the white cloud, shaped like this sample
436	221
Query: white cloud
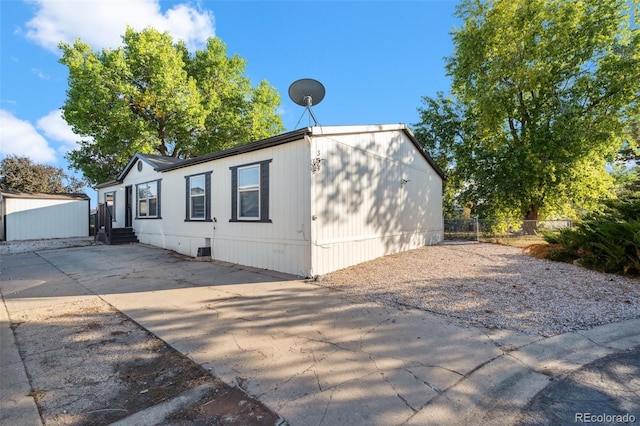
101	23
19	137
40	74
54	127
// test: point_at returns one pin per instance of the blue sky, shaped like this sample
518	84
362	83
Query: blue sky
376	59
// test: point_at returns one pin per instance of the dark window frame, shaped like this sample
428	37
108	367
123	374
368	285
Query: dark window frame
158	200
263	193
207	197
112	210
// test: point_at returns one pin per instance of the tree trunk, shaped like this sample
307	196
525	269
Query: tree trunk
530	225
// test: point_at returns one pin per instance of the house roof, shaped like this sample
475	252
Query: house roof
297	135
44	195
159	160
154	161
107	183
163	164
241	149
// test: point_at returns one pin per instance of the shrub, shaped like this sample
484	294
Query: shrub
608	241
550	251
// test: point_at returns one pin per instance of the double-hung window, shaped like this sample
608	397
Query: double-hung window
250	192
148	199
198	200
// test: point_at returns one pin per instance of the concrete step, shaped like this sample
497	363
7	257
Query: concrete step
123	236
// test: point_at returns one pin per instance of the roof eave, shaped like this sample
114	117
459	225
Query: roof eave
107	184
407	131
241	149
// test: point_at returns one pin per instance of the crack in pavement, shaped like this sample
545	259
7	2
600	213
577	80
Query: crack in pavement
372	329
326	408
403	399
408	364
429	385
236	341
309	368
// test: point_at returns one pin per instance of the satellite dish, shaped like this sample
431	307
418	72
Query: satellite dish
307	92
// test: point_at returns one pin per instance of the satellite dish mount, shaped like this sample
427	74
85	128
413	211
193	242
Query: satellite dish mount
307	92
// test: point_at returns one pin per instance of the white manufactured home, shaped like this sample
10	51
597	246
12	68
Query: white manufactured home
306	202
34	216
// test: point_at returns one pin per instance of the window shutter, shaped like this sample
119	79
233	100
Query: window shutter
137	201
207	196
234	193
188	197
264	191
159	189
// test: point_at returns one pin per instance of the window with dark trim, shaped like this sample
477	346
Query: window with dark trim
148	200
110	202
250	192
198	197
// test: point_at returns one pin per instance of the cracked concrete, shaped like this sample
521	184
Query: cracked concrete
317	356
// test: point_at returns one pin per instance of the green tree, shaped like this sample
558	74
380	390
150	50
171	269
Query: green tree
153	96
626	167
544	91
630	151
443	131
21	174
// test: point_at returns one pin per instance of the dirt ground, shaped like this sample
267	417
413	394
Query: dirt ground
89	364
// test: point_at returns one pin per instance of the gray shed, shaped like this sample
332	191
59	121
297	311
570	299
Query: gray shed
34	216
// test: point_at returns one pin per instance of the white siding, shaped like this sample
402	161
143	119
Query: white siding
282	245
353	209
32	219
363	210
133	178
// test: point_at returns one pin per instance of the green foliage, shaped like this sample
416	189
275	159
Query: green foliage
442	132
607	241
152	96
22	175
543	94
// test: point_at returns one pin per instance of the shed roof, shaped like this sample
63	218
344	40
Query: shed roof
44	195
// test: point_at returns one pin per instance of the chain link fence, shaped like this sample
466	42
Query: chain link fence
504	231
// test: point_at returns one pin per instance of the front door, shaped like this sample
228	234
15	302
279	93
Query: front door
128	207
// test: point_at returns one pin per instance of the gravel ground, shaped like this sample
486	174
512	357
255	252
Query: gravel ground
17	247
493	286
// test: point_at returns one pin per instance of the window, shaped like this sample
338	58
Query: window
110	201
198	199
250	192
148	205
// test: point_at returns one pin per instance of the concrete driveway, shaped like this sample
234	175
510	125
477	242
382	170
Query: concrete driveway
311	354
